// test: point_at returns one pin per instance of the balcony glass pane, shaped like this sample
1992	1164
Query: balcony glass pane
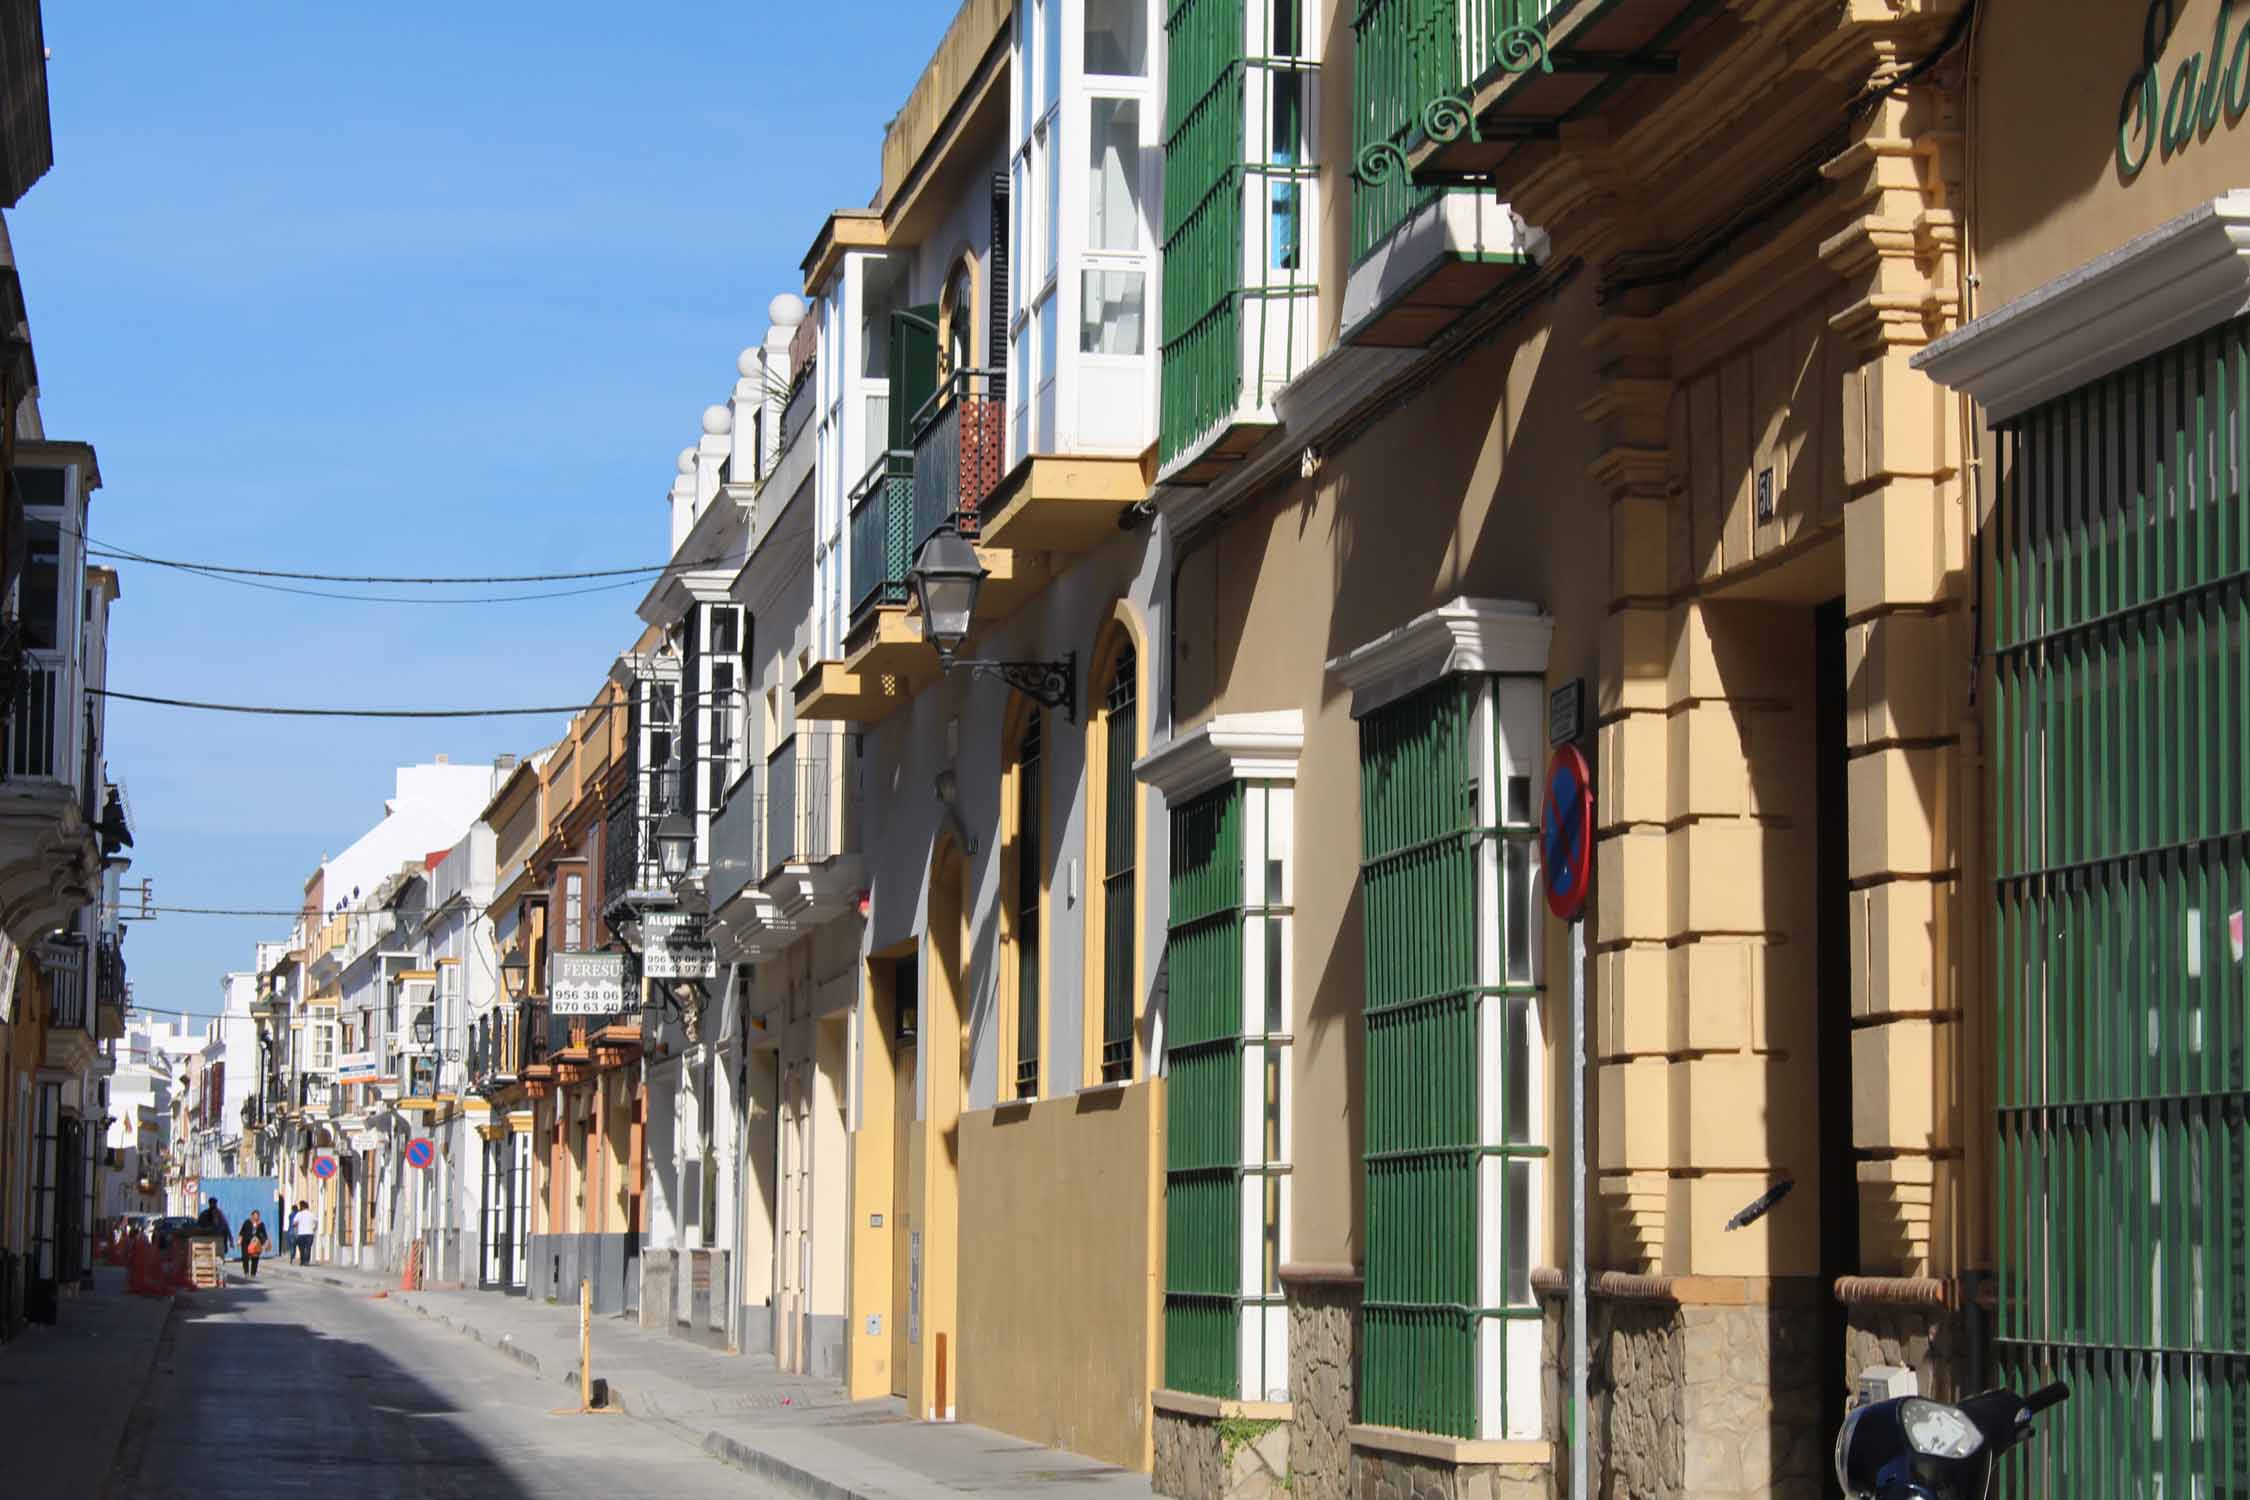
1114	175
1117	37
1111	306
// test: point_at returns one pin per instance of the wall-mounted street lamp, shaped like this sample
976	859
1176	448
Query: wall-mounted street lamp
946	578
675	847
515	975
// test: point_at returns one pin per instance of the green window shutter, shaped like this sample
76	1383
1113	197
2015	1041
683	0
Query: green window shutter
2121	802
1203	1195
1419	846
914	369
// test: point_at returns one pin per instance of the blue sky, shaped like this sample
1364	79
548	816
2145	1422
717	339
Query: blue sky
402	288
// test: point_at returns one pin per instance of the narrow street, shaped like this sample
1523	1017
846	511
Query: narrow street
286	1389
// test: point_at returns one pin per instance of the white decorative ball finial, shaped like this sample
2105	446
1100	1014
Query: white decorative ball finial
786	310
717	421
687	461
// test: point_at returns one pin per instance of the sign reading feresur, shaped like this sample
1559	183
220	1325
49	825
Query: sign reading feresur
674	946
587	984
2179	98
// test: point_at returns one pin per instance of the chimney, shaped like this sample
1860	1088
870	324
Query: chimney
444	759
503	763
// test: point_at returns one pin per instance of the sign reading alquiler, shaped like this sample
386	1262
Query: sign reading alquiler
2167	116
586	984
674	946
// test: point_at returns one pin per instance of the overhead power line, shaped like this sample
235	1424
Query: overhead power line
680	701
108	549
337	713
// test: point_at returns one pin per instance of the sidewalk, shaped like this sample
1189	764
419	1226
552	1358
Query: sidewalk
67	1391
793	1431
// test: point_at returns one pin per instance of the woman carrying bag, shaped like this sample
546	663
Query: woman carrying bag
254	1241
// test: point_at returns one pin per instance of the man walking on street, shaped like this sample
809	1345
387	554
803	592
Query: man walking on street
304	1224
213	1221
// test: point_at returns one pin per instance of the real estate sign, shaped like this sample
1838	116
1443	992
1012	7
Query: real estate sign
587	984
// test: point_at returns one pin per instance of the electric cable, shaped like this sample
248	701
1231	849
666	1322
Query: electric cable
679	700
109	549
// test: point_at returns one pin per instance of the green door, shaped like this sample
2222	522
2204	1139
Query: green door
2121	755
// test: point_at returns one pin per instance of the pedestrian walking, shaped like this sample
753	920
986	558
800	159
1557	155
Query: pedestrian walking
253	1240
214	1220
304	1224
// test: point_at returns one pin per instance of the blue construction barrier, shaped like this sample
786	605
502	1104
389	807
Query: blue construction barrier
237	1196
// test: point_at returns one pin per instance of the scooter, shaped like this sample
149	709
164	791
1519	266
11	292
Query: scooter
1910	1448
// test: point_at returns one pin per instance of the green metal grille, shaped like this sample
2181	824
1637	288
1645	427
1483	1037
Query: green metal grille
1203	1200
882	533
1121	724
1203	213
2122	816
1235	179
1416	64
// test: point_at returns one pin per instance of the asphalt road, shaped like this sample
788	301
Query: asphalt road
277	1389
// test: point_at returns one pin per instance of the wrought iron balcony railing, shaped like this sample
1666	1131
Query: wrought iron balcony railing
882	542
960	448
39	722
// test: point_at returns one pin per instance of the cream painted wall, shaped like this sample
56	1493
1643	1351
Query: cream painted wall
1475	487
2046	192
1060	1214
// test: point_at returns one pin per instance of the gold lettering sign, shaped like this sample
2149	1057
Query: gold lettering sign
2163	117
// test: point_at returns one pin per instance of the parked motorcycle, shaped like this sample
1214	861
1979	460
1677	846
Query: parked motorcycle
1911	1448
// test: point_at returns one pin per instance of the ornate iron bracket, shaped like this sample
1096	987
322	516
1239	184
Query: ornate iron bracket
1517	49
1053	684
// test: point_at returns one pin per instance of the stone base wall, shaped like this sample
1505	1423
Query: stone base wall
1206	1458
1400	1476
1935	1344
1722	1402
1635	1355
1753	1403
1323	1387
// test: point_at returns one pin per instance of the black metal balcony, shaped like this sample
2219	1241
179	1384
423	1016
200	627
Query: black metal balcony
960	449
882	539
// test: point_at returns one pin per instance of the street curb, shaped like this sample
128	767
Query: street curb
737	1454
716	1445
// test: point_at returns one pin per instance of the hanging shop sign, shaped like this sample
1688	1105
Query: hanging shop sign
674	946
587	984
2177	101
1566	833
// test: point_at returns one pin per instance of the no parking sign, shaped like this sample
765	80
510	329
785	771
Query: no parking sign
419	1152
324	1167
1566	833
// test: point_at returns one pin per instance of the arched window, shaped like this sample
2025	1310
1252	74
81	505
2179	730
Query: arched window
957	319
1026	893
1116	828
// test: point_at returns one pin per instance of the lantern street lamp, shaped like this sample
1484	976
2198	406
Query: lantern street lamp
675	847
515	974
946	578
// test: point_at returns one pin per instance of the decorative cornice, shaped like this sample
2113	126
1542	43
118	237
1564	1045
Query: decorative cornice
2148	294
1464	635
1231	747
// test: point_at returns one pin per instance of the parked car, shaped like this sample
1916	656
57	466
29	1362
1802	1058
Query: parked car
163	1229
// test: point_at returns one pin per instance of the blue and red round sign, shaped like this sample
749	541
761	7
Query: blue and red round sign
419	1152
324	1167
1566	833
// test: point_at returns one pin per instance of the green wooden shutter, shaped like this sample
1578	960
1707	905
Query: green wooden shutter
1203	1199
2121	800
